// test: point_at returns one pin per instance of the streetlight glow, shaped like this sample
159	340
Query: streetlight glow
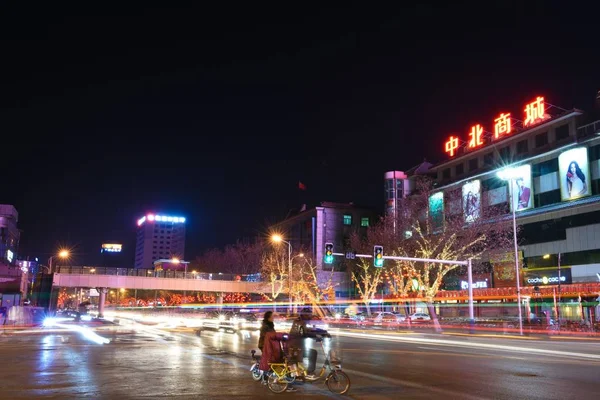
277	238
64	254
175	260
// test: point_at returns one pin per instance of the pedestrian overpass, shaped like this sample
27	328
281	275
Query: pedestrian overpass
147	279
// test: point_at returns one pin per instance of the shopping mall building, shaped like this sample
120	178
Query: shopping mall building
543	162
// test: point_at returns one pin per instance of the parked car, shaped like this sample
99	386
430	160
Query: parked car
419	317
388	320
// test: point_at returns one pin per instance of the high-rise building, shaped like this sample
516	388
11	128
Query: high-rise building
9	234
159	236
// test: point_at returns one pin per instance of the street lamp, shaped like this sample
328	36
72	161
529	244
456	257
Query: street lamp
278	239
508	174
64	254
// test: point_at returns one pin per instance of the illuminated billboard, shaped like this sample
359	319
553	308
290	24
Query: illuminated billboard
520	188
471	200
111	248
436	210
160	218
574	174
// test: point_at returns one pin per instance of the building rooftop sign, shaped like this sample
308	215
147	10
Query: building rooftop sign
111	248
160	218
504	125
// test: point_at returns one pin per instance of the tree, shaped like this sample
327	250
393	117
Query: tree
240	258
274	269
308	285
367	279
435	229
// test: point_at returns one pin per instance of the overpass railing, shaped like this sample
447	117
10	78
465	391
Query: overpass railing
150	273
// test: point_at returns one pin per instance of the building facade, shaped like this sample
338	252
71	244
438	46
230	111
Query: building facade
546	169
159	237
333	223
9	234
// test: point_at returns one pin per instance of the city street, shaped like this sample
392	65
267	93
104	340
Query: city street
147	362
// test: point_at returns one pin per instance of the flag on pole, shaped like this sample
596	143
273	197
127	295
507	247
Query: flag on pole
301	186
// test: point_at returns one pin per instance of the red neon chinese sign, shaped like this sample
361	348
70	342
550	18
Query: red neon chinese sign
475	136
534	111
451	145
503	125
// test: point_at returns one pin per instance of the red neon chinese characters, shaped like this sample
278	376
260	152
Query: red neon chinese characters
502	126
534	111
475	135
451	145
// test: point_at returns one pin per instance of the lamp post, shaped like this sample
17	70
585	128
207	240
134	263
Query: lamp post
279	239
64	254
509	176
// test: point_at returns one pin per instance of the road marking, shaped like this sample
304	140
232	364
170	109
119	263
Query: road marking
453	343
400	382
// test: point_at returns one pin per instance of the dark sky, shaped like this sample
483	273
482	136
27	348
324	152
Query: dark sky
216	114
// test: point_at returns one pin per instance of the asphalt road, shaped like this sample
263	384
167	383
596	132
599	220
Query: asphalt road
144	362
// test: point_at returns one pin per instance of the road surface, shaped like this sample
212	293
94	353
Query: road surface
144	362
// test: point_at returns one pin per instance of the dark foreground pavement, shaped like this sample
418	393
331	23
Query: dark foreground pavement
147	363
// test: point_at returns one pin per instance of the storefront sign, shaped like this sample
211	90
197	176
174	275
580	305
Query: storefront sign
476	285
543	277
535	112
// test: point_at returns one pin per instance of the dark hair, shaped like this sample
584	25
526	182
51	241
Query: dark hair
267	316
578	171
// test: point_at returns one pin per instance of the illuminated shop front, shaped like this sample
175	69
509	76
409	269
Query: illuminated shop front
553	161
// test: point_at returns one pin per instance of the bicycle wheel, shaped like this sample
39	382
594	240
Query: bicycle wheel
276	385
256	372
338	382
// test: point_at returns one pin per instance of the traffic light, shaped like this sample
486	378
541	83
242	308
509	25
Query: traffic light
378	256
328	253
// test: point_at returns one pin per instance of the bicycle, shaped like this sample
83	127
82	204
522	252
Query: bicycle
257	374
281	375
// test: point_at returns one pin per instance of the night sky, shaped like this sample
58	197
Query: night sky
216	114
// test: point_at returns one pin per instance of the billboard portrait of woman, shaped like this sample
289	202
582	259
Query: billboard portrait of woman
574	174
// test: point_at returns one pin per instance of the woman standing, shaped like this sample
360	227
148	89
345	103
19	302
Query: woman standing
267	326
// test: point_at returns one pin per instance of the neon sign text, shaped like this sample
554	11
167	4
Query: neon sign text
504	125
451	145
534	111
475	135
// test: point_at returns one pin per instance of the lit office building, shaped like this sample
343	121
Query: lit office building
159	237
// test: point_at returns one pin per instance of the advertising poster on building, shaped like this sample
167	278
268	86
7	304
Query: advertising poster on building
436	210
574	174
520	188
471	199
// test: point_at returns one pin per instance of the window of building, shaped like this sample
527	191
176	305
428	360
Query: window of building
364	221
543	168
473	164
522	147
541	139
446	173
547	198
562	132
594	153
488	159
347	219
504	153
460	169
